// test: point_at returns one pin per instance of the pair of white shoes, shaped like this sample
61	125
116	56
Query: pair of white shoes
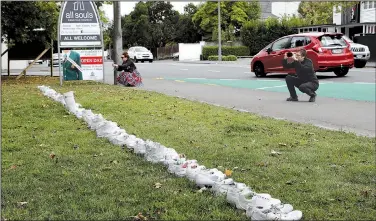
261	206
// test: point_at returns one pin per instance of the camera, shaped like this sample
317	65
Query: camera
289	54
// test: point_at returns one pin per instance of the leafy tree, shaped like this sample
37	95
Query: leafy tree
232	13
258	34
20	18
186	31
318	12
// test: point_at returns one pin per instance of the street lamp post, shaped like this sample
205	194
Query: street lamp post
219	32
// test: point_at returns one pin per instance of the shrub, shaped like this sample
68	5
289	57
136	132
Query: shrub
230	58
226	50
224	58
213	58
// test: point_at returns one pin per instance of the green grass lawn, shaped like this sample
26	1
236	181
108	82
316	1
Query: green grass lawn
325	174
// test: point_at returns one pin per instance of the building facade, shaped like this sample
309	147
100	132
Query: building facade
354	21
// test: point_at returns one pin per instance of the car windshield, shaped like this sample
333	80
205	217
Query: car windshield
347	39
141	50
332	40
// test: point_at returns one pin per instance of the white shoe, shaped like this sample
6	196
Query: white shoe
222	187
193	170
155	152
262	202
232	195
177	169
69	101
119	140
140	147
131	141
260	214
203	180
107	129
245	198
170	156
96	121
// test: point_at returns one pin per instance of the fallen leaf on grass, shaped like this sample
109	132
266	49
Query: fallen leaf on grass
157	185
114	162
275	153
365	193
21	203
282	144
52	155
76	146
228	172
13	167
140	217
262	164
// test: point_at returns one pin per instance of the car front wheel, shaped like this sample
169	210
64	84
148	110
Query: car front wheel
360	63
150	61
340	72
259	70
135	60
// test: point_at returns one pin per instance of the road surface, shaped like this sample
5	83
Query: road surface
343	103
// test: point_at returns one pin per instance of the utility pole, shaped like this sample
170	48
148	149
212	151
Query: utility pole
219	32
117	40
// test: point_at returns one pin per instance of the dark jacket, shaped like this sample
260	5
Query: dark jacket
304	70
127	66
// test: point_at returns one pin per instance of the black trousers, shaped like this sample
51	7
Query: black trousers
307	87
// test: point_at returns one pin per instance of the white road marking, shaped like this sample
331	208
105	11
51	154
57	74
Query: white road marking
364	83
184	69
247	72
229	79
262	88
268	80
196	78
214	71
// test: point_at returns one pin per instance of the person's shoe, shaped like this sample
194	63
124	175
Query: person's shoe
312	98
292	99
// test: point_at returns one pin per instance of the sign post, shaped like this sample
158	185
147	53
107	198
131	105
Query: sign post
79	27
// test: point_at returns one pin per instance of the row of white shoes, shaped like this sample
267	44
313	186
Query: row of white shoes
257	206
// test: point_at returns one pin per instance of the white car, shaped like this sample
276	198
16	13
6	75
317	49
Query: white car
55	60
140	54
361	53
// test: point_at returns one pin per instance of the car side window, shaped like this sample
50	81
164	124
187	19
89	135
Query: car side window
308	40
298	42
281	44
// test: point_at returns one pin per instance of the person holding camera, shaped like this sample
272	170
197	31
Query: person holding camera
305	80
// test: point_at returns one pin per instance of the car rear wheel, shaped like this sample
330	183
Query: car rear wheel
340	72
150	61
135	60
259	70
360	63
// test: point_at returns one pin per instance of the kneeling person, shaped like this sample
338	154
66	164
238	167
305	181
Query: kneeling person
306	80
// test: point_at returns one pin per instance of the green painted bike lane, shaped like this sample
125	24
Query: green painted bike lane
351	91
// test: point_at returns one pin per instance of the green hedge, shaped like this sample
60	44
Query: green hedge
258	34
226	50
224	58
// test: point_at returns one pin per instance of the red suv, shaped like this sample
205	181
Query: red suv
328	52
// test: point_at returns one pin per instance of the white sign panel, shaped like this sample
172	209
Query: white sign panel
91	63
79	24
